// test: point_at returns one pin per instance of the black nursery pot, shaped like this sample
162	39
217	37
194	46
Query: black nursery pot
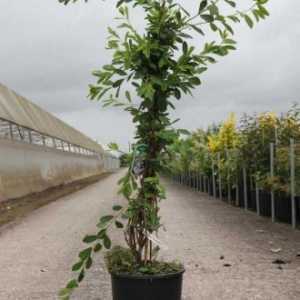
147	287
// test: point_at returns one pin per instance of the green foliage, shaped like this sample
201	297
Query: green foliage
161	65
125	160
113	147
121	260
231	146
96	243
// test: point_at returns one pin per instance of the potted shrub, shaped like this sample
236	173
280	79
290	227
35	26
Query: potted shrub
161	65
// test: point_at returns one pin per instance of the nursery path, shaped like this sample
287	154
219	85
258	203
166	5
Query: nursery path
36	254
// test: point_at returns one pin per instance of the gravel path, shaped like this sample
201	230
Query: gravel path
36	254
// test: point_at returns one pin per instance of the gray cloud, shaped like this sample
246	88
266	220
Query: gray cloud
48	51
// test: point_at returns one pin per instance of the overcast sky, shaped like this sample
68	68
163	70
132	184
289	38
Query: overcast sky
47	53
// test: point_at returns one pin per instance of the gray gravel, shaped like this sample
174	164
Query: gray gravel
37	252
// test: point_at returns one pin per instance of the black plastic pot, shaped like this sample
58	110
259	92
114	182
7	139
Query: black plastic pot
265	203
283	207
150	287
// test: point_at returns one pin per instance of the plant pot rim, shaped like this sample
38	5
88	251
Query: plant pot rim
147	276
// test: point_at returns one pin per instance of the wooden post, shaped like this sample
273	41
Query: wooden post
245	188
272	175
292	165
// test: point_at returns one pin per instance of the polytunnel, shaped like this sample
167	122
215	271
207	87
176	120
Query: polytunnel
38	150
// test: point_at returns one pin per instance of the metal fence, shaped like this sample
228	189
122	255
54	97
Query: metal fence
279	196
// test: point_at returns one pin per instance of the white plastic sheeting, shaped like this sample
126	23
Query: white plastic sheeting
18	110
27	168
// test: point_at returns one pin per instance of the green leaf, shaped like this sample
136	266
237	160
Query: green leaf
177	94
77	266
119	224
207	18
106	219
231	3
107	242
90	239
113	33
119	3
249	21
117	83
64	292
184	47
202	6
198	29
117	207
102	233
183	131
120	72
195	81
81	276
97	247
72	284
128	96
213	27
201	70
263	11
229	41
214	10
89	263
85	253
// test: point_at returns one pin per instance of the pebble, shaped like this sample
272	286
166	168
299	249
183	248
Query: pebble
279	262
227	265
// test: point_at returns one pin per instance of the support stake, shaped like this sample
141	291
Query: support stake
292	165
272	175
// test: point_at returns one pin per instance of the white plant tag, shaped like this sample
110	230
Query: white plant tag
157	241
